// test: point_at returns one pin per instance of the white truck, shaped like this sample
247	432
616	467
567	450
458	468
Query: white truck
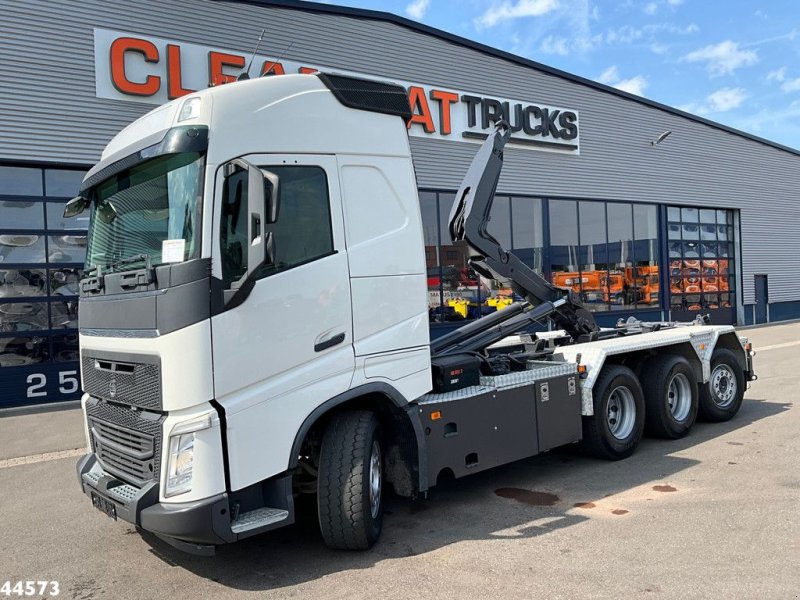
254	325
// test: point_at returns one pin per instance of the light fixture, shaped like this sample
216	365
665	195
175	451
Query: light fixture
660	138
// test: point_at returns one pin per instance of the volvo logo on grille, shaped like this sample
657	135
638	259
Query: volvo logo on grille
112	388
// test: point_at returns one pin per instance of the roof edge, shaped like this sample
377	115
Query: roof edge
377	15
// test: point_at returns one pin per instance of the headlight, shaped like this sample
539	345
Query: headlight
180	464
190	109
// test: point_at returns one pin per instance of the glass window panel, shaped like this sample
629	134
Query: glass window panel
645	276
674	231
691	250
68	248
65	282
722	216
673	213
675	249
19	351
65	348
430	233
690	232
20	181
708	215
710	284
564	244
20	283
725	300
21	214
593	255
56	220
62	183
64	313
708	232
528	232
23	316
15	248
708	250
621	291
499	225
723	233
689	215
710	301
460	285
676	302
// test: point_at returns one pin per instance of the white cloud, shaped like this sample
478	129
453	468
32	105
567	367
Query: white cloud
634	85
778	75
657	48
792	85
610	75
650	8
554	45
723	58
726	99
723	100
508	10
417	9
674	2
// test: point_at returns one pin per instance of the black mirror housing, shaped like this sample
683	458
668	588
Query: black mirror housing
75	206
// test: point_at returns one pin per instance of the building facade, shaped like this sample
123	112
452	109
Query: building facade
639	208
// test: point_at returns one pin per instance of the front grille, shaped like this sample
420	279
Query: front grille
127	442
130	382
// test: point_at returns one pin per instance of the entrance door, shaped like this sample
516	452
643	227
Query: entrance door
762	297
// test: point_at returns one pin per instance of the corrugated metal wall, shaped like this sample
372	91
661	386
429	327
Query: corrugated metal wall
49	112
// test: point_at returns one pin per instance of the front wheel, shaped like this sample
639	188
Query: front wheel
350	481
615	429
721	397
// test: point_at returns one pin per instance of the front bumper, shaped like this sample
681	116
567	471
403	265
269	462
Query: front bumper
204	522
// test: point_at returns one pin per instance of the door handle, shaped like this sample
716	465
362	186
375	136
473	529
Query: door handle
329	343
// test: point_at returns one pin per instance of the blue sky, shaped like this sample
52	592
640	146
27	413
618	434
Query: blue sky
732	61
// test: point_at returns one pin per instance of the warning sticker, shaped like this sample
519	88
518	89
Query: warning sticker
172	251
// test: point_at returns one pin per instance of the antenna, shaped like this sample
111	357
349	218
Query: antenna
246	74
281	55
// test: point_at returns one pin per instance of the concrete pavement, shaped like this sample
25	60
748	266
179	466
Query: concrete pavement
714	515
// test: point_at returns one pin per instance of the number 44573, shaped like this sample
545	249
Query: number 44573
29	588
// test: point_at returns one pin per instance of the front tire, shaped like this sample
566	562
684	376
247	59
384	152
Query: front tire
615	429
350	481
721	398
670	396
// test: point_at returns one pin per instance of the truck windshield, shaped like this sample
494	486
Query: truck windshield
157	208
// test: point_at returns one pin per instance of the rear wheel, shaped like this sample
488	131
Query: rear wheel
350	481
616	427
721	397
670	395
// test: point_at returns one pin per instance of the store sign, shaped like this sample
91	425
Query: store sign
141	68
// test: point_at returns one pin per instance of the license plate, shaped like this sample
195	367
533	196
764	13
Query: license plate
104	505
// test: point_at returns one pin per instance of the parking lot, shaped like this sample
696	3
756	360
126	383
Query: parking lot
712	515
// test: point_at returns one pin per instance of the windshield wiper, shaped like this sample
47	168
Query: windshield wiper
133	259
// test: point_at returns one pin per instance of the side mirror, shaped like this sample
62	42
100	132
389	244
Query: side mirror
75	207
256	190
272	196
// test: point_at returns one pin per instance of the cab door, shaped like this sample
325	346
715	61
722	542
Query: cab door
288	346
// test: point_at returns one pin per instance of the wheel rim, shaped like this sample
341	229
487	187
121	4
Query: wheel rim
375	480
621	412
723	386
679	397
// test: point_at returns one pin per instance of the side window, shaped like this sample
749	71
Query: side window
302	232
233	227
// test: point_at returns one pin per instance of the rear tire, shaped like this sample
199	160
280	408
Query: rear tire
616	427
670	396
721	398
350	481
